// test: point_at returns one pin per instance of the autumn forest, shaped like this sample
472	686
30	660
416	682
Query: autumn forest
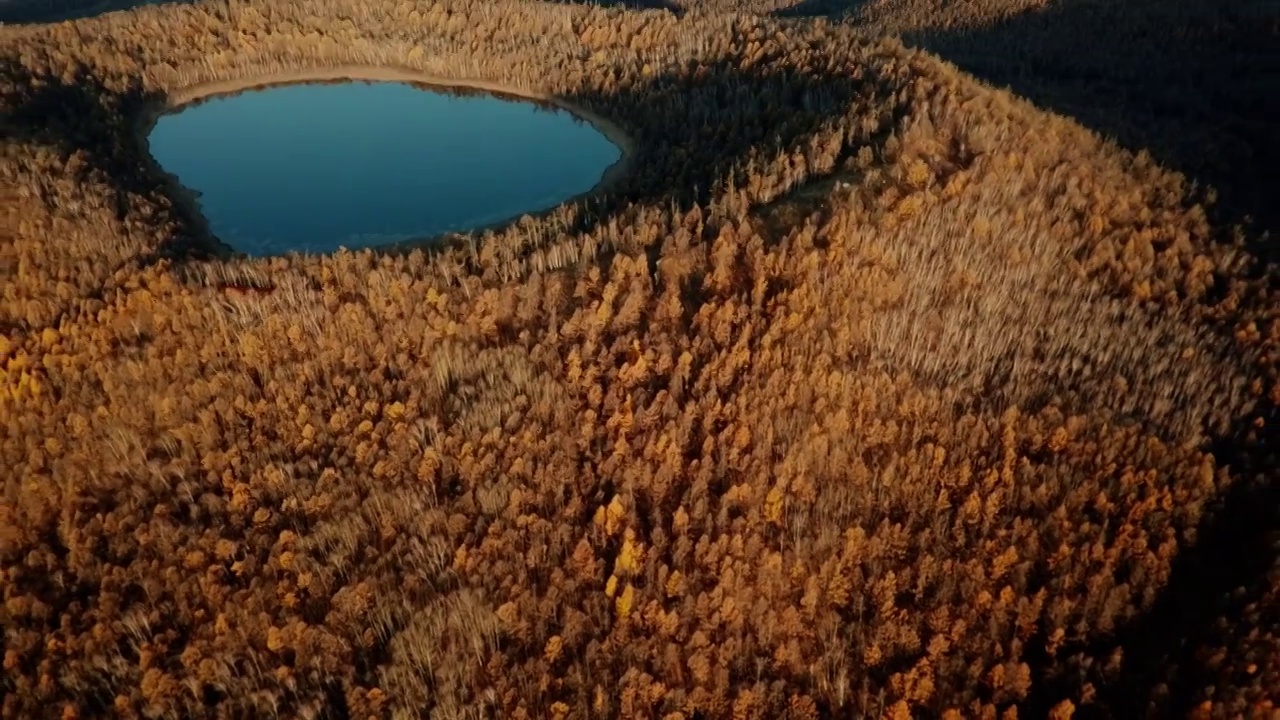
870	389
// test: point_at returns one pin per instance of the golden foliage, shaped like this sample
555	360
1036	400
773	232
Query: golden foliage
906	410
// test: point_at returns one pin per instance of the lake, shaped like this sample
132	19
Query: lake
315	167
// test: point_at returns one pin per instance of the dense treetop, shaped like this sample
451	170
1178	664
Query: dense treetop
870	390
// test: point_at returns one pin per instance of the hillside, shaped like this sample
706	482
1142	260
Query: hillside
872	390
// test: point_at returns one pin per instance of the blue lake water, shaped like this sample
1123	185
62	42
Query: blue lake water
313	167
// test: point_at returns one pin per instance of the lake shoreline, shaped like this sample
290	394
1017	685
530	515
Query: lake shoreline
188	200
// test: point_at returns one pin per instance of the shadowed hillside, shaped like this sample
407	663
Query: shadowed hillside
1192	82
43	11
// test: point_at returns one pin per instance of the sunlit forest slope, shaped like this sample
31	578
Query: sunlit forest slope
870	391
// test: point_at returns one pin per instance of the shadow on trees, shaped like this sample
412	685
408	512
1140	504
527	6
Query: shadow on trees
692	134
48	11
668	5
1193	82
1164	672
814	8
79	116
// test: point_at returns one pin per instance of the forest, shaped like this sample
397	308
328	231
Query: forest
869	390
